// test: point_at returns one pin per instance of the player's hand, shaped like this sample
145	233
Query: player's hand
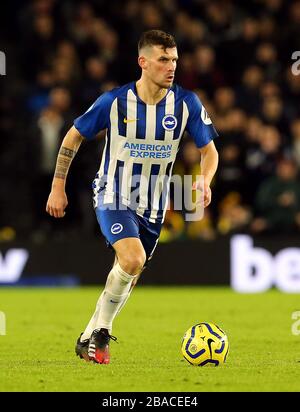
57	203
204	187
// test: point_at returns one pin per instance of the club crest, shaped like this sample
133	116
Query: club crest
169	122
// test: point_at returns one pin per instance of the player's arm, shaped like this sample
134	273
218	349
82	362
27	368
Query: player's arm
201	129
209	164
87	126
57	201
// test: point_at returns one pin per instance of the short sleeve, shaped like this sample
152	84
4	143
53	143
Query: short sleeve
96	118
199	125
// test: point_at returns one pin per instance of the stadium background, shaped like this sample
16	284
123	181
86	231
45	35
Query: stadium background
61	55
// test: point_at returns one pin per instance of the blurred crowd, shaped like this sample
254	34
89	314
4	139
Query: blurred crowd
236	55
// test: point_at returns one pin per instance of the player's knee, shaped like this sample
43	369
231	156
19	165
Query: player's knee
133	263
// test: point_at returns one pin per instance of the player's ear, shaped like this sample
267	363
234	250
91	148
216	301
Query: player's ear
142	61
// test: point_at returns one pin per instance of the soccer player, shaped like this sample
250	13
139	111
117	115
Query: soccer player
144	122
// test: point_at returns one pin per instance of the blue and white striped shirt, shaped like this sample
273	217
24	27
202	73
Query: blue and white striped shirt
142	141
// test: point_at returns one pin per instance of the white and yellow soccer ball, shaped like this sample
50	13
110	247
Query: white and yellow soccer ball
205	344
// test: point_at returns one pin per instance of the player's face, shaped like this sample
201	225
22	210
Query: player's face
161	65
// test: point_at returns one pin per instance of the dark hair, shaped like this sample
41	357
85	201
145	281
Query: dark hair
156	38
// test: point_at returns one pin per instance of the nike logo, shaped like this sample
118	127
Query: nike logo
129	120
209	342
112	301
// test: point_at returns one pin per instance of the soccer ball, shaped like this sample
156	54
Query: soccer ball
205	344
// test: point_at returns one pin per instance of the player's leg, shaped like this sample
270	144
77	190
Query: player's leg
133	284
82	344
116	226
130	262
130	256
92	323
149	234
108	312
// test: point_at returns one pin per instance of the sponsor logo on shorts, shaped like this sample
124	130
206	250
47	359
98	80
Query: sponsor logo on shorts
116	228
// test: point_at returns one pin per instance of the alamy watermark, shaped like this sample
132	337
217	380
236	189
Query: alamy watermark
2	64
152	193
2	323
296	324
296	65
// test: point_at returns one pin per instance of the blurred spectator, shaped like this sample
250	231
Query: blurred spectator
186	74
66	67
295	132
224	100
208	75
188	170
269	89
267	28
151	17
233	215
292	93
267	58
38	95
38	45
248	91
60	101
261	158
81	26
201	229
95	75
231	176
48	137
278	201
46	134
272	113
237	51
173	228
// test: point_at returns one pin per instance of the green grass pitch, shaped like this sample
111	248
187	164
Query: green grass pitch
37	352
